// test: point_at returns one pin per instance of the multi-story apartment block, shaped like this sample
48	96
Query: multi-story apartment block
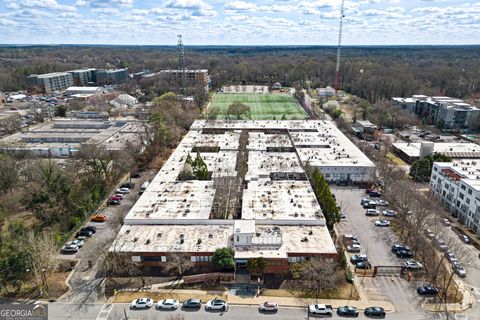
192	76
50	82
58	81
457	184
113	76
83	77
443	112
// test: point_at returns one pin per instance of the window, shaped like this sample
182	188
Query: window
470	191
467	200
155	258
296	259
463	187
435	169
200	259
460	195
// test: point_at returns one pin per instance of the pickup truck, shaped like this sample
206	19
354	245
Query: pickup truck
323	309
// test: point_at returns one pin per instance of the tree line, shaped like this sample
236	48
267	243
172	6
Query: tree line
372	73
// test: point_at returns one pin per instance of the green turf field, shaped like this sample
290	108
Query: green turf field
262	106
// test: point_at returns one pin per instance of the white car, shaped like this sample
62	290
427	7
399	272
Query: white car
412	265
382	223
372	212
142	303
353	248
389	213
171	304
216	304
77	242
123	190
268	306
382	203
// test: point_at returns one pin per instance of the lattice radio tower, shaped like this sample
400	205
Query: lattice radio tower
181	65
339	49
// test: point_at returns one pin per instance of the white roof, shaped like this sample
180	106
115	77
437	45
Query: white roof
88	89
453	150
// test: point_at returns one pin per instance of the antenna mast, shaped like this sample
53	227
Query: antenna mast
181	65
339	49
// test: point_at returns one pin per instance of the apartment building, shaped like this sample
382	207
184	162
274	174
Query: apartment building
192	76
59	81
50	82
444	112
457	184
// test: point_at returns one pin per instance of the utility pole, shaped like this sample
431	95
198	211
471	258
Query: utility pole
181	65
339	49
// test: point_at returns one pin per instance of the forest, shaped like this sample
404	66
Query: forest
372	73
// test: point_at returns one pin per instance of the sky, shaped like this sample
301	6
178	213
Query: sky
239	22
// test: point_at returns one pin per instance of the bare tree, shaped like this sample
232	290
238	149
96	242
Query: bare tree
179	264
319	275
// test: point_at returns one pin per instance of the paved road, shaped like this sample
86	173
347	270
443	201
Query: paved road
60	311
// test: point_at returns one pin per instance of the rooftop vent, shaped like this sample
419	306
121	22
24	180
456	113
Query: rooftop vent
128	231
159	235
135	239
147	241
199	241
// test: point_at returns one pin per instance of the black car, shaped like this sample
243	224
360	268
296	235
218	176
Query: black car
398	247
375	194
128	185
92	229
83	233
363	265
347	311
404	254
136	175
369	205
114	202
375	312
427	290
192	304
358	258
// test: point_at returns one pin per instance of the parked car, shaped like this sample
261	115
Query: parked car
399	246
363	265
347	311
77	242
412	265
427	290
123	190
83	233
429	233
382	203
113	202
136	175
117	197
372	212
69	249
216	304
323	309
268	306
168	304
99	218
375	312
358	257
464	238
128	185
375	194
451	257
365	200
441	244
404	254
382	223
192	304
370	205
342	215
446	222
93	229
389	213
459	269
142	303
353	248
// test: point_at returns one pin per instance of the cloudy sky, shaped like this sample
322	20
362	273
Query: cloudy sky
239	22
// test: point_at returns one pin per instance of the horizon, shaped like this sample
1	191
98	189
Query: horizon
239	23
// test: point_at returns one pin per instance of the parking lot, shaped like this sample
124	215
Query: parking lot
376	243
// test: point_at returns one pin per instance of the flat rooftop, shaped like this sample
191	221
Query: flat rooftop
467	170
207	238
452	150
281	201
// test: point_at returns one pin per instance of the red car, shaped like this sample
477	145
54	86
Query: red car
118	198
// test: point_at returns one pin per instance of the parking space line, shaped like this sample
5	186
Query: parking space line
105	311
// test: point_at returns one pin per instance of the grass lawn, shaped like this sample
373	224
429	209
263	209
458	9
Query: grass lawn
346	292
262	106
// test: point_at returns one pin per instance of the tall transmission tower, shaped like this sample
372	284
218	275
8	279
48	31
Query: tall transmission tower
181	65
339	49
